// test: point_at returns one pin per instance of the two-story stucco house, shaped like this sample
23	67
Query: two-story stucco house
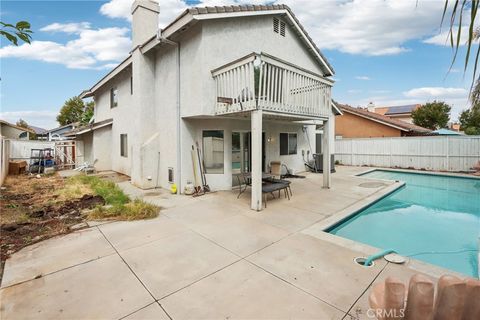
246	83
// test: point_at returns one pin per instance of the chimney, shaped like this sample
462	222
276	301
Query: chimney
371	107
144	21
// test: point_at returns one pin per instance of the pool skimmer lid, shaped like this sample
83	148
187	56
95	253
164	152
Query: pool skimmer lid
395	258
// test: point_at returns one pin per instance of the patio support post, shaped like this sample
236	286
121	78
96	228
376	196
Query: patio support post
326	153
256	119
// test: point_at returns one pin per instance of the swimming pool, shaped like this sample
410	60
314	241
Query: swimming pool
434	218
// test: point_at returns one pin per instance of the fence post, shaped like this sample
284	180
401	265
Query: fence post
391	153
447	156
351	152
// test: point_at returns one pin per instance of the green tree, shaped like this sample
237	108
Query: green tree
71	111
88	112
21	30
433	115
470	120
22	123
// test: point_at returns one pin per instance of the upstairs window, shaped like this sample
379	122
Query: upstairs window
279	26
288	143
113	97
123	145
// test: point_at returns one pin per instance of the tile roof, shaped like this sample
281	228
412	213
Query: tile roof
251	8
387	120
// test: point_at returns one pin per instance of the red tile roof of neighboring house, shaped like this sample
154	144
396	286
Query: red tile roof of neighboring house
402	125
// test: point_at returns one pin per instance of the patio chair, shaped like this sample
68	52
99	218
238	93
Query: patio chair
285	182
276	168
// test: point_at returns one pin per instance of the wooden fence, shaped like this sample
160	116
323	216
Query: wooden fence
442	153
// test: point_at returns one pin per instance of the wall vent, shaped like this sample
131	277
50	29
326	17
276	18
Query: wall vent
170	175
279	26
276	23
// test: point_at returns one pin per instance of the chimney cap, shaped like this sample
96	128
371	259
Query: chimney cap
146	4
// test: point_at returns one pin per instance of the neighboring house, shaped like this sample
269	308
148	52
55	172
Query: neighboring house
361	123
242	80
40	133
59	133
403	113
12	131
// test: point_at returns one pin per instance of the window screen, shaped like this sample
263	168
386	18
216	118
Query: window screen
213	152
123	145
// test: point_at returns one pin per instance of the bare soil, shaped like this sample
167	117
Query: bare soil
34	209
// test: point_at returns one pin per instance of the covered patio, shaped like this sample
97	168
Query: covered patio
261	88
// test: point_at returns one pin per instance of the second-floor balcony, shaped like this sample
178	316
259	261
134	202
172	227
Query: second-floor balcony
261	81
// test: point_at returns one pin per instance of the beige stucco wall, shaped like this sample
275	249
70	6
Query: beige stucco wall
352	126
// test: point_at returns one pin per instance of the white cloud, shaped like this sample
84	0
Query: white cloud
75	27
363	78
93	49
368	27
436	93
443	38
42	119
169	9
456	97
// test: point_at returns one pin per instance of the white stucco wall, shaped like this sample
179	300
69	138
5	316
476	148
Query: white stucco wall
214	43
103	148
149	117
123	116
272	130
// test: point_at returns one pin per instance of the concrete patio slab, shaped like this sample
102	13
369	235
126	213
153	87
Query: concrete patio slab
202	213
151	312
243	291
128	234
171	263
55	254
285	217
101	289
323	269
242	235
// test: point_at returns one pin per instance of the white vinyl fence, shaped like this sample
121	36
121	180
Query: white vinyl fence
442	153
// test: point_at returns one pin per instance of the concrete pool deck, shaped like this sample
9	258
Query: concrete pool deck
209	257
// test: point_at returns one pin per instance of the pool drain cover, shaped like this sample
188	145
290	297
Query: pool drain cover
372	185
395	258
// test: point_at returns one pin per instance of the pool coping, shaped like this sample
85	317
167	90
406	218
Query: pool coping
346	213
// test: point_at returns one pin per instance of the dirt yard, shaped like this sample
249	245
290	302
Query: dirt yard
37	208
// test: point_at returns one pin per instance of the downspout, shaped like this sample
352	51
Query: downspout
179	144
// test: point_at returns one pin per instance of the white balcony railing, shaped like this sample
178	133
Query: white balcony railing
260	81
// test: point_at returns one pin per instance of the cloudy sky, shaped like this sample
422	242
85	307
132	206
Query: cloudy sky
389	52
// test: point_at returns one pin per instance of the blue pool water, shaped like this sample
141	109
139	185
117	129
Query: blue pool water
434	218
